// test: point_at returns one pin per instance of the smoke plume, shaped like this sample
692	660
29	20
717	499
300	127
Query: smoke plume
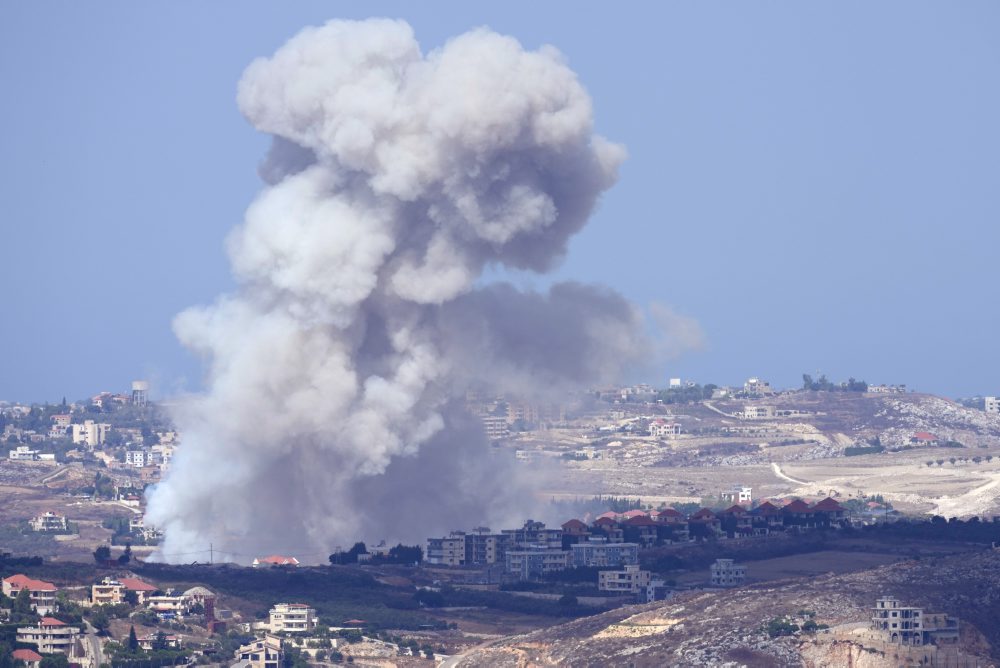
336	372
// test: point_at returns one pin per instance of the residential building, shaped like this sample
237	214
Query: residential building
140	392
664	429
755	387
169	605
631	580
48	521
112	592
739	494
657	590
483	547
534	533
42	594
30	658
992	404
758	412
147	642
532	562
266	652
448	551
495	427
23	453
275	560
139	458
904	625
595	553
292	618
924	438
90	433
727	573
50	636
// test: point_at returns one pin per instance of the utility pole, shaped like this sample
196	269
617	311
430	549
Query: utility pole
211	553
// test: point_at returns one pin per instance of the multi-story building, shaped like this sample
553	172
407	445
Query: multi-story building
904	625
598	553
738	494
42	594
50	636
533	562
139	458
755	387
266	652
631	580
664	429
48	521
292	618
992	404
140	392
533	533
483	547
495	427
90	433
758	412
22	453
449	551
112	592
727	573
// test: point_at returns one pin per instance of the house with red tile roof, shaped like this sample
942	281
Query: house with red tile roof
924	438
50	636
736	521
32	658
641	529
768	517
704	524
831	511
43	594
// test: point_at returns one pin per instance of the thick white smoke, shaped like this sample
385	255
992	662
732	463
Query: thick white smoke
394	179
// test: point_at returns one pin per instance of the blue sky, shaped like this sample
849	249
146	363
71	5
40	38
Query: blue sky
815	183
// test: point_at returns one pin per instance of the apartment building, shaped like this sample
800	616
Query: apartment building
291	618
495	426
41	593
992	404
90	433
112	592
483	547
905	625
533	562
758	412
50	636
664	429
727	573
597	553
631	580
534	533
449	551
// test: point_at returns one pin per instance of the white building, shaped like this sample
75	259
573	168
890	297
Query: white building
904	625
993	404
727	573
291	618
267	652
594	553
23	454
755	387
140	392
50	636
738	494
48	521
664	429
495	427
41	593
90	433
631	580
758	412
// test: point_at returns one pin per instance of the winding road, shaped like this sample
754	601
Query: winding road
781	474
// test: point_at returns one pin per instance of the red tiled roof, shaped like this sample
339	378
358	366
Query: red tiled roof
641	521
735	509
20	581
610	515
135	584
668	512
574	524
51	621
702	514
278	560
26	655
635	513
924	436
827	505
766	508
603	521
797	506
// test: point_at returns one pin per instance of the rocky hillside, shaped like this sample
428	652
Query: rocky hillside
728	628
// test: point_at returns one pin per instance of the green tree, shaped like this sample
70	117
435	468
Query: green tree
100	620
133	641
22	602
126	556
102	553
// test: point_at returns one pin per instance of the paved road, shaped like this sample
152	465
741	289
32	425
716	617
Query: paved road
95	649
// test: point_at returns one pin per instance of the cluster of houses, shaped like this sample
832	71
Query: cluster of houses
632	581
614	539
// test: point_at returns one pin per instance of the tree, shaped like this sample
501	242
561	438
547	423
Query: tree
102	553
100	620
126	556
22	602
133	641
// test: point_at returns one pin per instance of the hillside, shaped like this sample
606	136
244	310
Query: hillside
719	628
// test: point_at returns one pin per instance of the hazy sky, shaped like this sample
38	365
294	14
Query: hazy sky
818	184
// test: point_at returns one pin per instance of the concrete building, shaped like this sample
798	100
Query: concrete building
657	590
755	387
738	494
23	453
90	433
631	580
992	404
48	521
596	553
42	594
495	427
483	547
905	625
266	652
140	392
291	618
449	551
112	592
727	573
533	533
758	412
30	658
664	429
533	562
50	636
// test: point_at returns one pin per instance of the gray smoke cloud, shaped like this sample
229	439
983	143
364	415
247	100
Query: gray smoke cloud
335	373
